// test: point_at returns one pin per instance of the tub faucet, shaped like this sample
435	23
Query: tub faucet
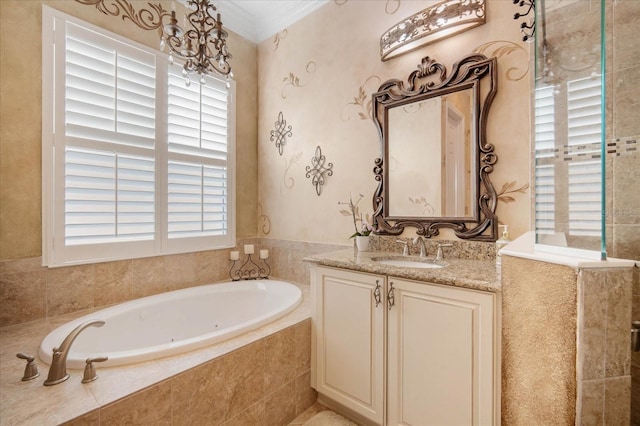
423	247
58	370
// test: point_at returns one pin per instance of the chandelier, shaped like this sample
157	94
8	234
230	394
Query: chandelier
200	42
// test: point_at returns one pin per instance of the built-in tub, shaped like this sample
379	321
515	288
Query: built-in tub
174	322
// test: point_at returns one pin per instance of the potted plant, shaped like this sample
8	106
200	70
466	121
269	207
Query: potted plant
361	235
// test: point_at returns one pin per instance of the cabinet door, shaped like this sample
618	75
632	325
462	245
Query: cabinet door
440	356
349	339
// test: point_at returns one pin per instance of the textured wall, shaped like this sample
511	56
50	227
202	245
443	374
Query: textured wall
21	111
539	313
320	74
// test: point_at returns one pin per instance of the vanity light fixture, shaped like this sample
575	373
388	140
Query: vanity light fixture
201	43
434	23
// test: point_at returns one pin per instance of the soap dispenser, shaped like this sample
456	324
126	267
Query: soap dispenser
502	241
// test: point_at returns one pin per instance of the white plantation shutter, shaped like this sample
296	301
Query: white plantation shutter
544	151
135	163
197	151
584	124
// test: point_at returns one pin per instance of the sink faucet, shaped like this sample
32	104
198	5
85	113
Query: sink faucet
58	371
423	248
439	255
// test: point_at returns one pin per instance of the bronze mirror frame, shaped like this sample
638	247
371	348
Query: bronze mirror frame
476	72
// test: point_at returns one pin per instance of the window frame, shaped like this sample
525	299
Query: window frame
54	251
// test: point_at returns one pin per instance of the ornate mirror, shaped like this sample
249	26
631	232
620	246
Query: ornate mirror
435	165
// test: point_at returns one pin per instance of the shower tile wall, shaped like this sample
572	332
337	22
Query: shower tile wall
623	158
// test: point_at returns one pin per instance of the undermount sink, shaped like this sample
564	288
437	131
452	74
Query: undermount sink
408	263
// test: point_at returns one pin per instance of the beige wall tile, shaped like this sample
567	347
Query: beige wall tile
626	196
244	376
280	359
280	407
180	270
626	46
592	330
626	241
198	395
306	396
151	406
252	416
89	419
635	395
112	283
618	357
303	347
591	404
70	289
617	395
22	296
148	276
626	102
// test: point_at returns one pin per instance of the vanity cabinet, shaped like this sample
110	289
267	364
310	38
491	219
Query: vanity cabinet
402	352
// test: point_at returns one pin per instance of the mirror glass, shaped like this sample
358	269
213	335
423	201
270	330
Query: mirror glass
435	164
429	144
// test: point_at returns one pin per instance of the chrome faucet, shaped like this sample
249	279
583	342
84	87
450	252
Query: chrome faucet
58	370
423	247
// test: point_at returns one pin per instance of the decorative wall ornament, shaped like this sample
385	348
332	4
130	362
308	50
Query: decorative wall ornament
363	100
434	23
388	10
501	49
293	80
202	43
146	19
318	171
287	181
280	134
278	37
508	188
264	219
528	28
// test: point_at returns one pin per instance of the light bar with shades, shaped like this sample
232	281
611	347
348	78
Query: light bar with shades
434	23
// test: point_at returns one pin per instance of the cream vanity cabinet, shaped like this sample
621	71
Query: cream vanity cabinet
401	352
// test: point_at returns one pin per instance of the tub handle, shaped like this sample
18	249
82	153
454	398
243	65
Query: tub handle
31	369
90	370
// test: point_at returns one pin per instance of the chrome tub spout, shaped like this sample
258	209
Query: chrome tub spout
58	370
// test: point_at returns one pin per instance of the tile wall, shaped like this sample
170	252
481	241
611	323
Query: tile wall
604	356
267	382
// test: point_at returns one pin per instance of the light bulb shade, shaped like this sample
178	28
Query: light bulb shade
434	23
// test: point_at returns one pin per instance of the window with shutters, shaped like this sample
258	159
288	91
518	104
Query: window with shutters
568	162
136	162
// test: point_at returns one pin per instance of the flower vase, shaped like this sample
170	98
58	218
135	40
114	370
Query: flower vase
362	242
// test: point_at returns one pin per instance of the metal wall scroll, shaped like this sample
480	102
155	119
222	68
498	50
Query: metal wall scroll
146	19
527	28
280	134
318	171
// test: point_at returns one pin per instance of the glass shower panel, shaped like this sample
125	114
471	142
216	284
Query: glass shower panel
569	124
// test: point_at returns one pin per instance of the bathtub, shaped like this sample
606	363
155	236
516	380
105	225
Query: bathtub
174	322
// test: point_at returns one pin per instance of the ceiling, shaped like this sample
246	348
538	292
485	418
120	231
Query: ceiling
257	20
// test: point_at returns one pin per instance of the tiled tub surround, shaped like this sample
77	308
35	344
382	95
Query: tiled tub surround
261	377
29	291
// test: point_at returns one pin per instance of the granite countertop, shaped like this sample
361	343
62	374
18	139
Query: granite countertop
465	273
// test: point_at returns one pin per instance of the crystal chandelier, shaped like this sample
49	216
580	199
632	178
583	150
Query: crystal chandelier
200	42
